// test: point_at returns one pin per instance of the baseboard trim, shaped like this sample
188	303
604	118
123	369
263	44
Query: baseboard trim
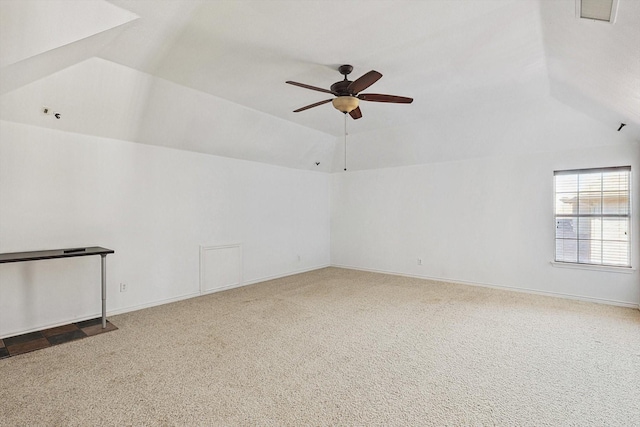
279	276
197	294
306	270
152	304
209	292
161	302
493	286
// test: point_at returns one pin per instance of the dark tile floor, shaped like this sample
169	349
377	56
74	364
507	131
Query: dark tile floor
49	337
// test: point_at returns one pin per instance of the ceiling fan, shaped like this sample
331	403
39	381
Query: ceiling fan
348	93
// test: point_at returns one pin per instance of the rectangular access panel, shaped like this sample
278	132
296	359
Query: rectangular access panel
220	267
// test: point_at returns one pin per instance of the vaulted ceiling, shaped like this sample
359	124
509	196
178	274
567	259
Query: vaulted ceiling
488	77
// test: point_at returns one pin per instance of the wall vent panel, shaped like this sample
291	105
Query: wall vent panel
220	267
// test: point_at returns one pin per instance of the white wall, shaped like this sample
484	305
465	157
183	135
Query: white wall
484	221
154	206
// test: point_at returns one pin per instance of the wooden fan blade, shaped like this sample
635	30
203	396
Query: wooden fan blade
356	114
312	105
378	97
319	89
364	82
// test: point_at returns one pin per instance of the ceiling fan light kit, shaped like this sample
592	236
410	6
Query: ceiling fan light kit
346	104
348	94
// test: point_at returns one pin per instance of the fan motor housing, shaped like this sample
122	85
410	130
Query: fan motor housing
340	88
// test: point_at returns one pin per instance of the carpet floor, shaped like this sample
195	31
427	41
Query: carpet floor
340	347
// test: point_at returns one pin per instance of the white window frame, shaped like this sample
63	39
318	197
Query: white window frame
613	16
591	266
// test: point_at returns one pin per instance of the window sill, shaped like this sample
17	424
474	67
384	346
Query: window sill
607	268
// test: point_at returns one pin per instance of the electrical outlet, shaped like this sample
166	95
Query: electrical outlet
123	287
299	258
419	261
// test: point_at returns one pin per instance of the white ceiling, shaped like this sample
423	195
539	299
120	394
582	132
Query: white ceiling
209	76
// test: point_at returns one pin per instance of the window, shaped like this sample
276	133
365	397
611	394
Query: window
593	216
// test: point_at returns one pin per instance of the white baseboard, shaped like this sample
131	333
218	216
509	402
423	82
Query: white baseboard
278	276
305	270
151	304
159	302
197	294
503	287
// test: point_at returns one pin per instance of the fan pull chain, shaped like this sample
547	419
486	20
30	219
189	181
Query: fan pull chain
345	140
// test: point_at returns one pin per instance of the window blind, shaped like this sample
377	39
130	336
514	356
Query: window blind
593	216
596	9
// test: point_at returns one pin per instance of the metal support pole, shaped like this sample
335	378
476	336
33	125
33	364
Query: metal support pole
103	259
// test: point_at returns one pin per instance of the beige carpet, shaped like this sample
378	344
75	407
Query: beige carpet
341	347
